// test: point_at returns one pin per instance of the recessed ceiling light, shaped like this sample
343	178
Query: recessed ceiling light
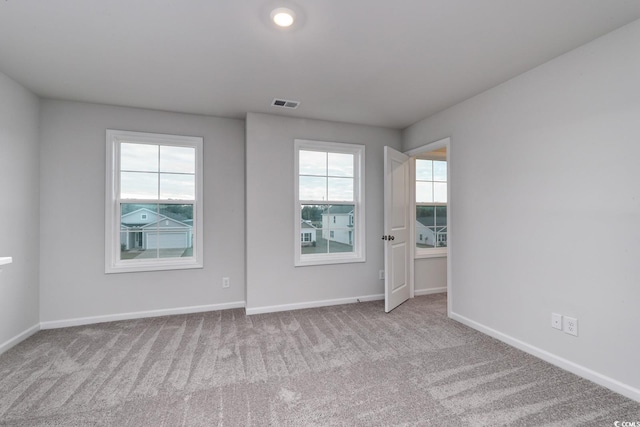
283	17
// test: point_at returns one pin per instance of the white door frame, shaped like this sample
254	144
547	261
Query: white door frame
445	142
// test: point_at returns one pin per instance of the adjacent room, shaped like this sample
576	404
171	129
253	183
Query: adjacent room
319	213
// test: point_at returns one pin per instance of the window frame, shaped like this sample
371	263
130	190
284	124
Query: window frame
113	263
359	244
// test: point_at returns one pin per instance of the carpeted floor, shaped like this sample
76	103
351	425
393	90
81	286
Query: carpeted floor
348	365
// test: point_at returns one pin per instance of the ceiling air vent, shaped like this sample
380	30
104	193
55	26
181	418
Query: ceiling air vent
284	103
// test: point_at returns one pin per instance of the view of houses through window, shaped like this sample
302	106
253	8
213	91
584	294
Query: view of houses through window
156	230
327	228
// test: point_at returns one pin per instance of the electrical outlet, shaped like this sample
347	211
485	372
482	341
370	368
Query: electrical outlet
570	326
225	282
556	321
381	274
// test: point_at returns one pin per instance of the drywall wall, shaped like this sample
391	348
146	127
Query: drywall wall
430	275
546	205
19	212
73	282
272	280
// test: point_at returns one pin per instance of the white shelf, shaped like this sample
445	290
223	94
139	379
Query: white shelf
6	260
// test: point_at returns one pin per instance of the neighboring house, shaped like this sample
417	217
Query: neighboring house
145	229
430	235
307	233
337	224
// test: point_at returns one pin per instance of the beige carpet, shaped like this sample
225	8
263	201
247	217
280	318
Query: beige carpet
349	365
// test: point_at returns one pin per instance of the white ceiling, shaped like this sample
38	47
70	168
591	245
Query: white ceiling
387	63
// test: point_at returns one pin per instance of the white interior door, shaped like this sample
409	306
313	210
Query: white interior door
396	228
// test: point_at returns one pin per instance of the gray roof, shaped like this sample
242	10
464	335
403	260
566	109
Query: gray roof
183	219
338	209
428	221
164	214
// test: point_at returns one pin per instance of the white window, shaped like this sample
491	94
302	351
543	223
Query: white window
153	211
431	207
329	195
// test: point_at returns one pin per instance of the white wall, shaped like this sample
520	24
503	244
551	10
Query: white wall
546	205
73	282
430	275
272	280
19	212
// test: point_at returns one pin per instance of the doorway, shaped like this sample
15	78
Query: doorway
429	237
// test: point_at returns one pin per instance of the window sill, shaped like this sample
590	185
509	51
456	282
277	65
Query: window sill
328	261
147	266
437	253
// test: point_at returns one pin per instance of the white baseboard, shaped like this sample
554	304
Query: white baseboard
312	304
420	292
596	377
53	324
19	338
